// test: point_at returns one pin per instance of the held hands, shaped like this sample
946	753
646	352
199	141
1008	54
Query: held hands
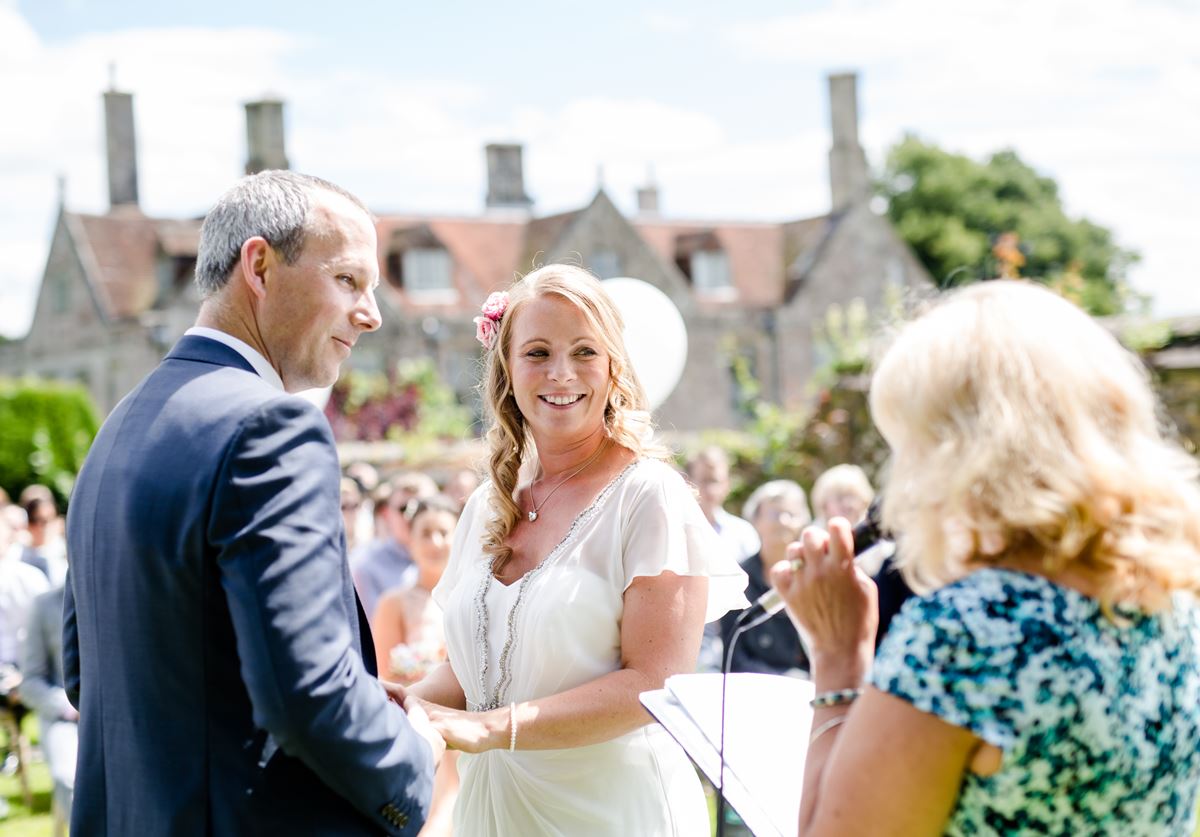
471	732
417	718
830	600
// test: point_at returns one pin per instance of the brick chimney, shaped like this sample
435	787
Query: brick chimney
849	178
264	136
122	149
647	196
506	177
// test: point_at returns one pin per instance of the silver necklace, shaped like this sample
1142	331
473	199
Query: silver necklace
537	507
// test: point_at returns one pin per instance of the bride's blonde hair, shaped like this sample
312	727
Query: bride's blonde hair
627	419
1020	427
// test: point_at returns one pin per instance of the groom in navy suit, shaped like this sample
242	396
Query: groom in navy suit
212	640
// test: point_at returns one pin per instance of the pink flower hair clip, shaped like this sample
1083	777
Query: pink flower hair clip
487	327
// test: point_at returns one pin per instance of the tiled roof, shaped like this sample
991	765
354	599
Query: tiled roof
486	252
759	253
119	253
766	260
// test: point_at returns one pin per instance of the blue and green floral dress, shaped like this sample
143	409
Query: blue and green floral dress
1099	721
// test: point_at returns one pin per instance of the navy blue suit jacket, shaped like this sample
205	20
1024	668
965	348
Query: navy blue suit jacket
212	639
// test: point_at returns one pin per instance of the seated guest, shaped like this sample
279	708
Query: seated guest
407	623
46	549
384	563
779	511
1047	680
352	499
42	691
842	491
708	471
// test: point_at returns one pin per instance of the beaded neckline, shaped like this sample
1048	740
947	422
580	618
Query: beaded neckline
497	697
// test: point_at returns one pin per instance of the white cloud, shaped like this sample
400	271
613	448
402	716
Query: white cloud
1103	96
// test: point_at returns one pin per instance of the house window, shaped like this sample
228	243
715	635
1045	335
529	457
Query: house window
426	271
710	272
606	264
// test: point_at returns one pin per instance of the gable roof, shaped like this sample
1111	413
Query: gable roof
121	252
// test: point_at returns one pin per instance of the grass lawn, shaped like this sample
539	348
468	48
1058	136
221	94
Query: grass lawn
21	821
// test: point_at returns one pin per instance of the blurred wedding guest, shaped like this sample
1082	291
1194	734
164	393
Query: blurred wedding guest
460	485
708	471
46	549
384	562
779	511
409	637
366	477
842	491
42	691
1048	682
351	502
407	623
20	584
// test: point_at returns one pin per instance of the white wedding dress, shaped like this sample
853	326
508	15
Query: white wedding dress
565	632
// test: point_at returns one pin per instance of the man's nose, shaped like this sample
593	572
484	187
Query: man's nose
367	314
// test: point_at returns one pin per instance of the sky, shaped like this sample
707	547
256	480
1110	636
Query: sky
724	105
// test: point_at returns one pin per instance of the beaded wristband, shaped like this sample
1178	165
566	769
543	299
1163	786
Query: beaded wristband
512	722
826	727
839	698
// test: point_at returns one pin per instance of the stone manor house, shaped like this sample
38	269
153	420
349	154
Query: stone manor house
117	290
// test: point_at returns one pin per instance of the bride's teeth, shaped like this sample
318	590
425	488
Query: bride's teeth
562	400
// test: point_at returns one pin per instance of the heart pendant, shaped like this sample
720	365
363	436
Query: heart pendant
532	516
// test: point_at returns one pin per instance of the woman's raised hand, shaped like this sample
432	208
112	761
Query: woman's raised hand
831	601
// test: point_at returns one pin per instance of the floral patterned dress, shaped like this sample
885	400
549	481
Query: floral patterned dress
1098	719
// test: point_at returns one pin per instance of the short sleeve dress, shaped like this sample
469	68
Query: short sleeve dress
1098	718
559	627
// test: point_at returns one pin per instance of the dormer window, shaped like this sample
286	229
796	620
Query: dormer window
419	264
705	263
710	272
426	270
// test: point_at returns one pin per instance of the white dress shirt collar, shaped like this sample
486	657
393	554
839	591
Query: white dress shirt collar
256	360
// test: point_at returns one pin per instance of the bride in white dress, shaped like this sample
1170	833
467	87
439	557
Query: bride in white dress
569	595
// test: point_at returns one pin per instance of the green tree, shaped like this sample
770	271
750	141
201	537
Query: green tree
960	215
46	428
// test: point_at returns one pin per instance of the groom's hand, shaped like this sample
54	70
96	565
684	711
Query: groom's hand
395	692
420	722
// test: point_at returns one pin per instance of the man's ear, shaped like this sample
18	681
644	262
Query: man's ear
256	259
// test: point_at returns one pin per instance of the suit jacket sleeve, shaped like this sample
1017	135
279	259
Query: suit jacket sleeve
70	645
39	688
276	525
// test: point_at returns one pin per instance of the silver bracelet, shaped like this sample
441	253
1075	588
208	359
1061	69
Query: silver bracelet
512	723
826	727
841	697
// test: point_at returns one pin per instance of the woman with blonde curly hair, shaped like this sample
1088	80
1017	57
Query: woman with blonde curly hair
581	575
1049	679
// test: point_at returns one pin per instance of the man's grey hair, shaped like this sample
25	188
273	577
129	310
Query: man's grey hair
775	490
272	204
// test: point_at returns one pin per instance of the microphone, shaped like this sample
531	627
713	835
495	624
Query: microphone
866	534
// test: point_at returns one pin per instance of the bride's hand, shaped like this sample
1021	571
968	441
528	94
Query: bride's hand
471	732
419	721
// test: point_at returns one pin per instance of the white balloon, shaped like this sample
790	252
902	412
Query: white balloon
655	335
